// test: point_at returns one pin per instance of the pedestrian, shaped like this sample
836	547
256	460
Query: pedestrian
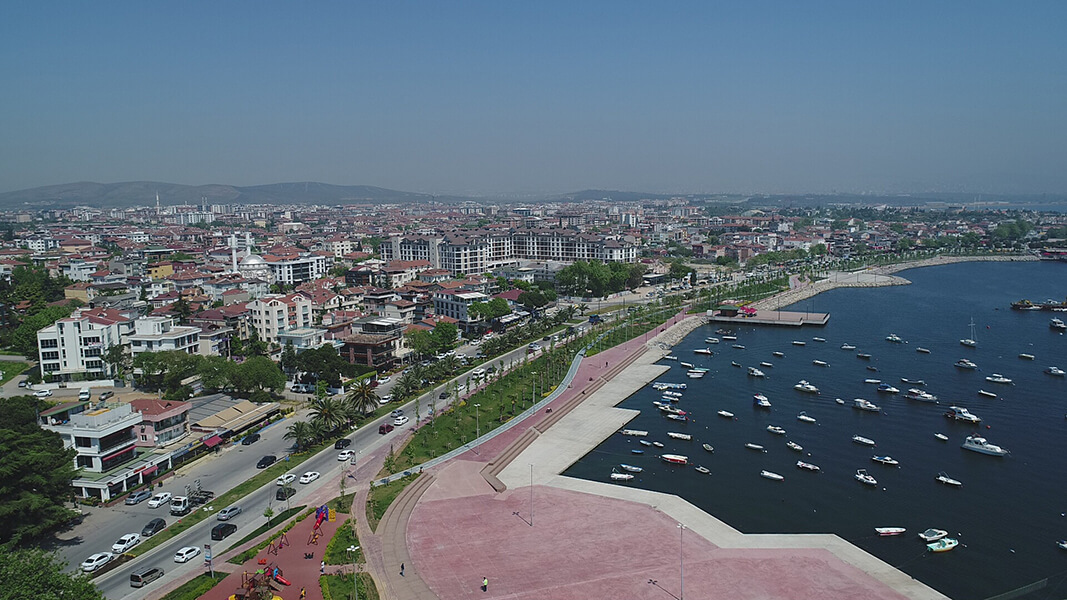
303	593
322	568
401	569
485	584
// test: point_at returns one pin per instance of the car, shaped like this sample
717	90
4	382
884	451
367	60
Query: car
286	479
383	379
300	388
346	455
186	553
222	531
284	493
309	477
229	512
386	399
138	497
396	413
153	527
402	419
385	428
160	499
96	561
43	393
106	395
22	383
126	542
442	395
266	461
479	372
248	440
342	443
85	394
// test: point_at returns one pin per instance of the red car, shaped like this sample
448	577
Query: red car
385	428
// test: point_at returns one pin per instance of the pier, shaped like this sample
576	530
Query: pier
768	317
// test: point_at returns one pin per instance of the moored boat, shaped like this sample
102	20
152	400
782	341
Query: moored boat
636	451
1026	356
735	364
1057	324
646	443
873	381
711	340
859	439
615	475
754	372
912	381
932	535
885	531
761	401
886	460
808	466
820	363
896	339
941	436
803	416
885	388
945	479
705	351
794	446
920	395
863	356
657	444
755	447
670	357
1055	371
799	343
778	354
970	342
962	414
631	468
847	347
998	378
672	394
729	338
922	350
738	346
775	430
963	363
942	545
988	394
675	459
818	339
694	374
703	469
687	365
634	432
707	447
725	413
807	388
679	436
677	417
981	445
867	405
771	475
766	364
865	478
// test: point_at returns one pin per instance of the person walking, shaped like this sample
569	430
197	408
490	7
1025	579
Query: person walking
322	568
303	593
401	569
485	584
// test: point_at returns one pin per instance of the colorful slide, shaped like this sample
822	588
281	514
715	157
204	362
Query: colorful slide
282	580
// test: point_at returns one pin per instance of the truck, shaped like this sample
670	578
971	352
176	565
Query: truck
179	506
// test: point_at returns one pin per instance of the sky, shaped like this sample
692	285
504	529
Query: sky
484	98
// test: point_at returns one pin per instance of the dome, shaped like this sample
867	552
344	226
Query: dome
252	259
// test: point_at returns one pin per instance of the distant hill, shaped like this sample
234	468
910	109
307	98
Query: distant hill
143	193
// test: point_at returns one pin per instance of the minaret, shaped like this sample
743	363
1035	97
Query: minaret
248	243
158	211
233	251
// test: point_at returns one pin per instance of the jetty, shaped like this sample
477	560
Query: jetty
737	316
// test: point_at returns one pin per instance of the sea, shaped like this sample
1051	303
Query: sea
1008	514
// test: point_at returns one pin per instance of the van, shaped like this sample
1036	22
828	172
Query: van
85	394
145	576
222	530
179	505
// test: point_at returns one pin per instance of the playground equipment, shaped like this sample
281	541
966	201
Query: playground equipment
322	513
260	585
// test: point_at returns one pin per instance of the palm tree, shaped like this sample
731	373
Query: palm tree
582	308
362	398
302	434
327	413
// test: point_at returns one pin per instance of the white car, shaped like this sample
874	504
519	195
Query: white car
309	477
126	542
44	394
383	379
400	421
96	561
286	479
186	553
228	513
346	455
160	499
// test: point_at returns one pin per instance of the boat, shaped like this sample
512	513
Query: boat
775	430
867	405
636	451
1062	544
707	447
703	469
859	439
808	466
675	459
646	443
799	343
1057	324
1026	356
631	468
820	363
807	388
634	432
920	395
961	414
672	394
669	386
705	351
778	354
756	447
754	372
873	381
932	535
922	350
693	374
839	401
985	393
1055	371
761	401
970	342
679	436
863	355
667	408
998	378
711	340
885	460
621	476
885	531
670	357
794	446
945	479
942	545
726	413
863	477
803	416
896	339
963	363
677	417
687	365
912	381
847	347
981	445
818	339
735	364
657	444
872	368
766	364
738	346
729	338
885	388
941	436
771	476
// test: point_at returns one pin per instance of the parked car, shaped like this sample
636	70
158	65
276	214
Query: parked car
309	477
186	553
22	383
402	419
396	413
96	561
43	393
248	440
383	379
222	531
386	399
153	527
286	479
385	428
85	394
126	542
346	455
442	395
228	513
266	461
138	497
107	394
160	499
342	443
284	493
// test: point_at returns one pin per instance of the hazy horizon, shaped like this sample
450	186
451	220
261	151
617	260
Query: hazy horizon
478	98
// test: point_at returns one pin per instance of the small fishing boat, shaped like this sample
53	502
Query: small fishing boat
807	388
997	378
1025	356
799	343
631	468
859	439
794	446
1055	371
922	350
839	400
920	395
873	381
1057	324
646	443
761	401
725	413
820	363
963	363
847	347
707	447
636	451
863	356
711	340
679	436
667	408
818	339
981	445
735	364
945	479
808	466
941	436
678	417
867	405
932	535
1062	544
872	368
775	430
770	475
672	394
863	477
738	346
675	459
703	469
896	339
912	381
885	460
766	364
886	531
657	444
704	351
729	338
778	354
694	374
803	416
942	545
687	365
615	475
987	394
962	414
754	372
885	388
634	432
755	447
670	357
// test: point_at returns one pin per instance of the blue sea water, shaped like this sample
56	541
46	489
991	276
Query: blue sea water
1010	511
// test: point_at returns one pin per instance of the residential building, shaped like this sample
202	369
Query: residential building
73	348
273	314
163	334
302	338
379	343
455	304
163	422
294	269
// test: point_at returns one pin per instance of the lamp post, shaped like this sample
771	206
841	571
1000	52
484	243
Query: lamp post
355	571
531	494
477	426
681	571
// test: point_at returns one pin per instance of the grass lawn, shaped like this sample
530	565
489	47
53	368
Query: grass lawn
337	550
382	496
196	587
10	369
339	587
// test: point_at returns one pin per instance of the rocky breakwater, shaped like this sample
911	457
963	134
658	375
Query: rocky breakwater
803	291
666	340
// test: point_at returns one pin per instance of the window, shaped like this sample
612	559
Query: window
85	462
46	343
50	355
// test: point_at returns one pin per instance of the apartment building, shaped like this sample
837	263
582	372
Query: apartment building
163	422
276	313
163	334
73	347
456	304
294	269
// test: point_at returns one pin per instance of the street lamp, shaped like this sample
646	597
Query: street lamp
355	571
681	571
477	426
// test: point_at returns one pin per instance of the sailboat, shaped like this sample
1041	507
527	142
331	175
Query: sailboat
970	342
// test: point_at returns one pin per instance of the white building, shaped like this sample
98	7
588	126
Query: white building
274	314
75	345
162	334
292	270
455	304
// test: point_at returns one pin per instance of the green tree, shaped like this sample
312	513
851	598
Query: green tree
328	413
301	433
181	308
24	339
421	341
288	361
362	397
444	336
216	372
325	363
34	573
257	373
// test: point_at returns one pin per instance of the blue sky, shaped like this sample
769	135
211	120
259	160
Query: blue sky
508	97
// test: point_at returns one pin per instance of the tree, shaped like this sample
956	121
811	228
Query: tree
532	300
328	413
258	373
444	336
34	573
421	341
362	397
35	474
301	433
24	339
181	308
118	358
288	361
216	372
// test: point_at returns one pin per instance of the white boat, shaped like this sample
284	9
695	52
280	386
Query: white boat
1026	356
808	466
679	436
755	447
962	414
847	347
981	445
807	388
912	381
863	477
1056	371
963	363
896	339
672	394
778	354
867	405
738	346
646	443
885	388
766	364
729	338
670	357
886	460
711	340
818	339
885	531
771	476
859	439
675	459
942	545
621	476
799	343
754	372
873	381
985	393
667	408
922	350
657	444
703	469
725	413
669	386
687	365
1062	544
920	395
775	430
735	364
970	342
794	446
706	351
839	400
631	468
678	417
997	378
1057	324
761	401
695	374
941	436
863	356
945	479
707	447
820	363
634	432
803	416
932	535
